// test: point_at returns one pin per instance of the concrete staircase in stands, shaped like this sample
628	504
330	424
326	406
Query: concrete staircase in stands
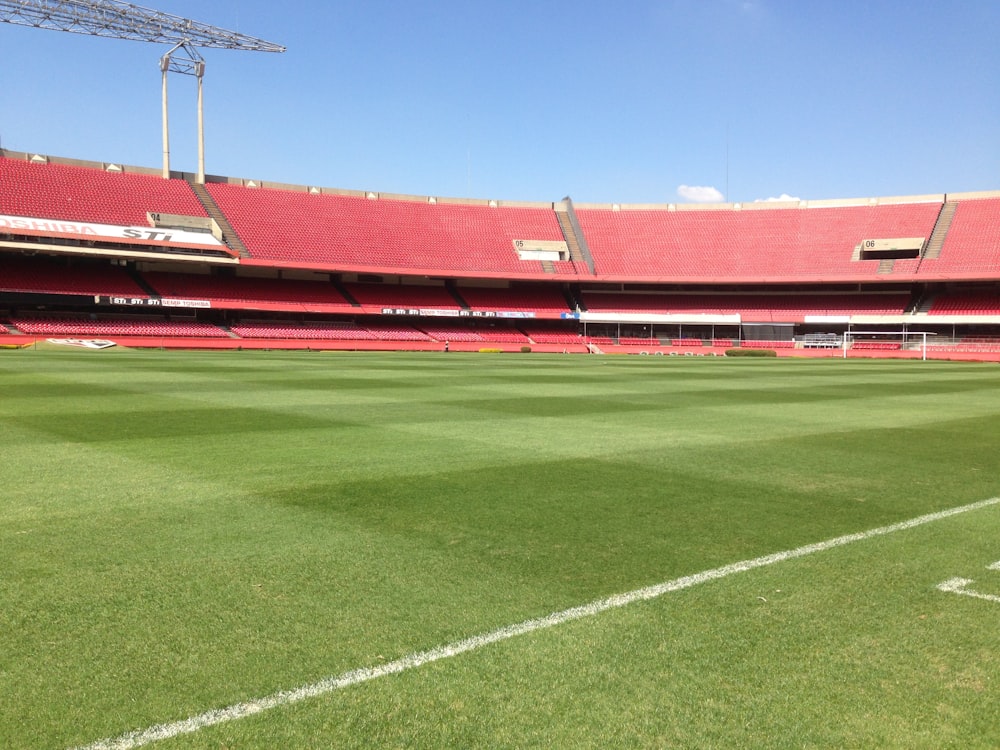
941	227
228	232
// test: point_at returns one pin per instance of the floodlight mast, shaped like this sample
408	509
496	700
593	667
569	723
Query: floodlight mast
118	20
192	65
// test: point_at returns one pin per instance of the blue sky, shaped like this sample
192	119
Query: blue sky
635	102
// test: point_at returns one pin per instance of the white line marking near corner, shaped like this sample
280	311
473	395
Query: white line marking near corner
236	711
959	586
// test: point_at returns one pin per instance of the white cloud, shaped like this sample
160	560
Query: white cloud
701	194
783	198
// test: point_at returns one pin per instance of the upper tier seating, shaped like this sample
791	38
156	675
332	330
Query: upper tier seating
571	267
972	245
57	191
341	231
353	233
761	244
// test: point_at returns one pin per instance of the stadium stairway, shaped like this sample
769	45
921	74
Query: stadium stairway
228	232
229	331
456	295
922	305
141	282
339	286
941	227
579	252
574	297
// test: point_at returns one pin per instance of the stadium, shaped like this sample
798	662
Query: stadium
291	465
117	253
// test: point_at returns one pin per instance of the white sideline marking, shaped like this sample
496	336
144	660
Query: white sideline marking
236	711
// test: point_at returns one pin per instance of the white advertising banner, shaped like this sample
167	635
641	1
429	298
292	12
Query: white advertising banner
109	232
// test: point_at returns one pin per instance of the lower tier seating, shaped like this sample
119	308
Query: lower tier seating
132	326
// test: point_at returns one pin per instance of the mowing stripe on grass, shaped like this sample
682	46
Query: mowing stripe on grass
330	684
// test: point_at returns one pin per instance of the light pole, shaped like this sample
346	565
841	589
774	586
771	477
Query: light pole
193	64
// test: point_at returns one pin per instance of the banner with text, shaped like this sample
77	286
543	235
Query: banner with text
152	302
424	312
108	232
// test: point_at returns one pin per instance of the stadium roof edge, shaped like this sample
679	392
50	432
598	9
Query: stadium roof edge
768	205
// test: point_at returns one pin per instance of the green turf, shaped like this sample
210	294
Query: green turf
183	531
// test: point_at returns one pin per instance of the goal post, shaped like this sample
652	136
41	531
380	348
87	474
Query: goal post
884	340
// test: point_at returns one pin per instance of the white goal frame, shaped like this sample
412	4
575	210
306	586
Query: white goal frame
849	336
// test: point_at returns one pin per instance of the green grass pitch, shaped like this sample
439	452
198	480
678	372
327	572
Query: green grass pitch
181	532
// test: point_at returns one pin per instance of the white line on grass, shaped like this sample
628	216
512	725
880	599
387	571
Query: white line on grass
330	684
960	586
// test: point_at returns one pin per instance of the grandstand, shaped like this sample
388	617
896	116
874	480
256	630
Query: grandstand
103	249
